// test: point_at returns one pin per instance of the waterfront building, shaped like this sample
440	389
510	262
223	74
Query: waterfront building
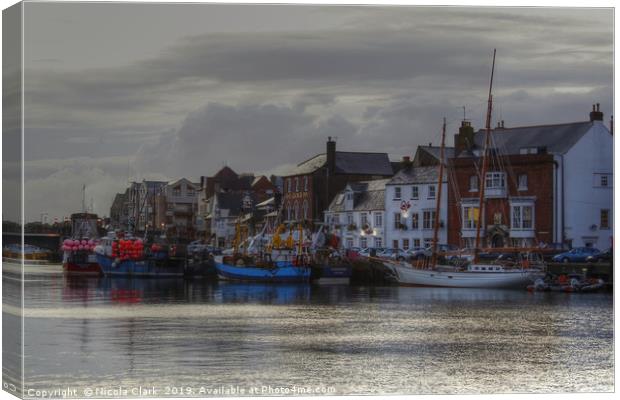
223	212
311	185
176	207
356	214
545	184
119	213
411	206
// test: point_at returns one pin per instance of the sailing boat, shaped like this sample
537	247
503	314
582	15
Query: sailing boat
475	275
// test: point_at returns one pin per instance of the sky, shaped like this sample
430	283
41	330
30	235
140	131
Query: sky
122	92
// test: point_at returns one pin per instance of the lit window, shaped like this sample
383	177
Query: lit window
397	193
604	219
414	193
431	191
470	217
523	182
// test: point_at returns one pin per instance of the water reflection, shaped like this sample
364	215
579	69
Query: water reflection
84	331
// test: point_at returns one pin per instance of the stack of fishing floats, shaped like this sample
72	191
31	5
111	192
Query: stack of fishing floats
125	249
78	245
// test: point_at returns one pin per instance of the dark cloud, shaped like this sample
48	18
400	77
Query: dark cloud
269	92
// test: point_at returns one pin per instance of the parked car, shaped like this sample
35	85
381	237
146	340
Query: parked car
419	252
579	254
195	246
603	256
367	252
394	254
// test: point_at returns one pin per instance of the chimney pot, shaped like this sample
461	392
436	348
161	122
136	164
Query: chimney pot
596	114
406	159
598	107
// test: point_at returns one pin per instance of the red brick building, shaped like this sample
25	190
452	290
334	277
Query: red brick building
310	187
545	183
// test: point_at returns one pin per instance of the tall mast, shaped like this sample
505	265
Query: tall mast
440	184
485	161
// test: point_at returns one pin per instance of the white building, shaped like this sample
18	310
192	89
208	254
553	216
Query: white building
410	208
356	214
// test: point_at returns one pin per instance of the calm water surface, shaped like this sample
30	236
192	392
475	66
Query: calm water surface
94	332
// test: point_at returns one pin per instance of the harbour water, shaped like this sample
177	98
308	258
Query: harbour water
183	338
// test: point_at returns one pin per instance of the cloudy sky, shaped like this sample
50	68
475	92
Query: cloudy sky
119	92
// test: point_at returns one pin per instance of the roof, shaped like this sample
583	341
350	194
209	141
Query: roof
353	163
180	180
436	150
268	202
558	138
368	196
230	201
412	175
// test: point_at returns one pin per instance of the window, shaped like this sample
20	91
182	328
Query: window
378	220
495	180
604	219
350	219
394	244
378	242
414	193
190	192
470	217
428	219
176	191
349	196
297	210
336	219
522	182
405	244
290	184
297	184
522	217
604	181
473	183
431	191
306	209
397	193
415	223
364	219
363	242
349	243
416	243
396	220
305	183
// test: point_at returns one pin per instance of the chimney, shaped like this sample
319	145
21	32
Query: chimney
464	140
596	114
331	155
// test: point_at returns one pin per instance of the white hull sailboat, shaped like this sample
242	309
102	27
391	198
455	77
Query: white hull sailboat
475	276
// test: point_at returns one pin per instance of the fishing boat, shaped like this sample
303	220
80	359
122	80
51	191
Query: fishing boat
476	274
78	256
279	263
327	263
125	255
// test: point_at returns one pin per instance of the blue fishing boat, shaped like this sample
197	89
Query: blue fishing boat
275	272
135	262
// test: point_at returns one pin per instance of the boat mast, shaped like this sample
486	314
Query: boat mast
440	184
485	161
